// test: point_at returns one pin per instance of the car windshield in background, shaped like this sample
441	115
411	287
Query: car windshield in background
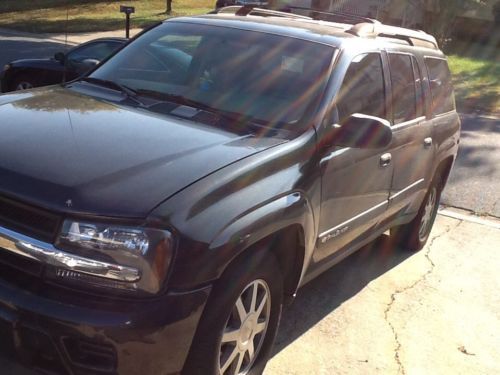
265	77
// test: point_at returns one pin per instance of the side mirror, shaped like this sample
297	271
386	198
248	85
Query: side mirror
60	56
363	131
90	63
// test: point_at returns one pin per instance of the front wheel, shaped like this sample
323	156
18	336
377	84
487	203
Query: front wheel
238	327
415	234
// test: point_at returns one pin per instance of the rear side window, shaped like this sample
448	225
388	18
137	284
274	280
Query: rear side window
441	87
362	90
404	97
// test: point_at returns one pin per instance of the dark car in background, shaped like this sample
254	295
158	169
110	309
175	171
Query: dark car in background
29	73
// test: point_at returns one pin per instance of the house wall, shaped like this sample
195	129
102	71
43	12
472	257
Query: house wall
400	13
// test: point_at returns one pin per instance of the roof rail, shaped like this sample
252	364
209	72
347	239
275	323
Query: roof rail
342	17
250	10
413	37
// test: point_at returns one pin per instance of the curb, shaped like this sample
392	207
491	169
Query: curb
71	39
491	222
23	34
489	116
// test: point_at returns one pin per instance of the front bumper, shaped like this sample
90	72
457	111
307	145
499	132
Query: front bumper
63	331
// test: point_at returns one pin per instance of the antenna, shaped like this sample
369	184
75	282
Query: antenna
65	41
66	28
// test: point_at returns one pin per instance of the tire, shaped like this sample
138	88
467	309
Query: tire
224	313
22	82
414	235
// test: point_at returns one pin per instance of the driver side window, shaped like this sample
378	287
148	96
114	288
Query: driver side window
363	89
95	51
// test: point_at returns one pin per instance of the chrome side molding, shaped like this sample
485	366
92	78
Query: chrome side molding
46	253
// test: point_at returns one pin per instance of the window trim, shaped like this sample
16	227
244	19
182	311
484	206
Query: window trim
419	88
431	98
411	55
407	124
335	100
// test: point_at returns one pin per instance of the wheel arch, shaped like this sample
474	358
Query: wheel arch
444	169
286	231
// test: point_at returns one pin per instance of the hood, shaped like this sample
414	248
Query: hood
73	153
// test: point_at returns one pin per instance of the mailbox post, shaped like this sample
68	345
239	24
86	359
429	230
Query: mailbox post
128	11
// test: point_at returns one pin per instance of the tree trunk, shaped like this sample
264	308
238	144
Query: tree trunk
169	6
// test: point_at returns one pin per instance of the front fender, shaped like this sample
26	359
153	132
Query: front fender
262	222
217	218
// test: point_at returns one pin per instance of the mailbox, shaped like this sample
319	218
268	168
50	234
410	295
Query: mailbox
127	10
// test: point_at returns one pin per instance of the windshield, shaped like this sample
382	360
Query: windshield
266	77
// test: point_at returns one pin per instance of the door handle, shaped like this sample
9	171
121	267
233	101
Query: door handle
385	160
428	142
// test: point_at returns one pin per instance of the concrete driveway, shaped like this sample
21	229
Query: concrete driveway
384	311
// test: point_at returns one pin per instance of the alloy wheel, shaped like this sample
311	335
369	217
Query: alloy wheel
245	329
425	223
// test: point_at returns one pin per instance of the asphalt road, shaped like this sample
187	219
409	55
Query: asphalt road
474	183
14	47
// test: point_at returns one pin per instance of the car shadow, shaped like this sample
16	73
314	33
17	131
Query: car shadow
324	294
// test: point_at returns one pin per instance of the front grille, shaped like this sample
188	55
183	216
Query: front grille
28	220
20	263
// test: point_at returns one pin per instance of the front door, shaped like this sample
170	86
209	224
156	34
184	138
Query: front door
355	182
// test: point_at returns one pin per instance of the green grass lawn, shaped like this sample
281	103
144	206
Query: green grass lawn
476	77
49	16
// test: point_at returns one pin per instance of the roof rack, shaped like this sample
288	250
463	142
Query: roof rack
342	17
361	26
250	10
413	37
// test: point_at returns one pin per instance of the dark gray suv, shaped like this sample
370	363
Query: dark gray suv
157	214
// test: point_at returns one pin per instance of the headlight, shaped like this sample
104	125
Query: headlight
6	67
112	256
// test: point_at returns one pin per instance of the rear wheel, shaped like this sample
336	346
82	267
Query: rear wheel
239	324
415	234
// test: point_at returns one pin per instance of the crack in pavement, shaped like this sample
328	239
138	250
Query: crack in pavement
401	369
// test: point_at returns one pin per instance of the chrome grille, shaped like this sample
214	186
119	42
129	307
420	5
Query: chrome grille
28	220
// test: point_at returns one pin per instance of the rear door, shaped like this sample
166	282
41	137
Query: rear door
412	146
445	119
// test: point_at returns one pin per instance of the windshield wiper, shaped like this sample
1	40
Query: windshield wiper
129	93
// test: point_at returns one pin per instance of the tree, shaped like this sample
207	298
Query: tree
169	6
496	12
441	16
